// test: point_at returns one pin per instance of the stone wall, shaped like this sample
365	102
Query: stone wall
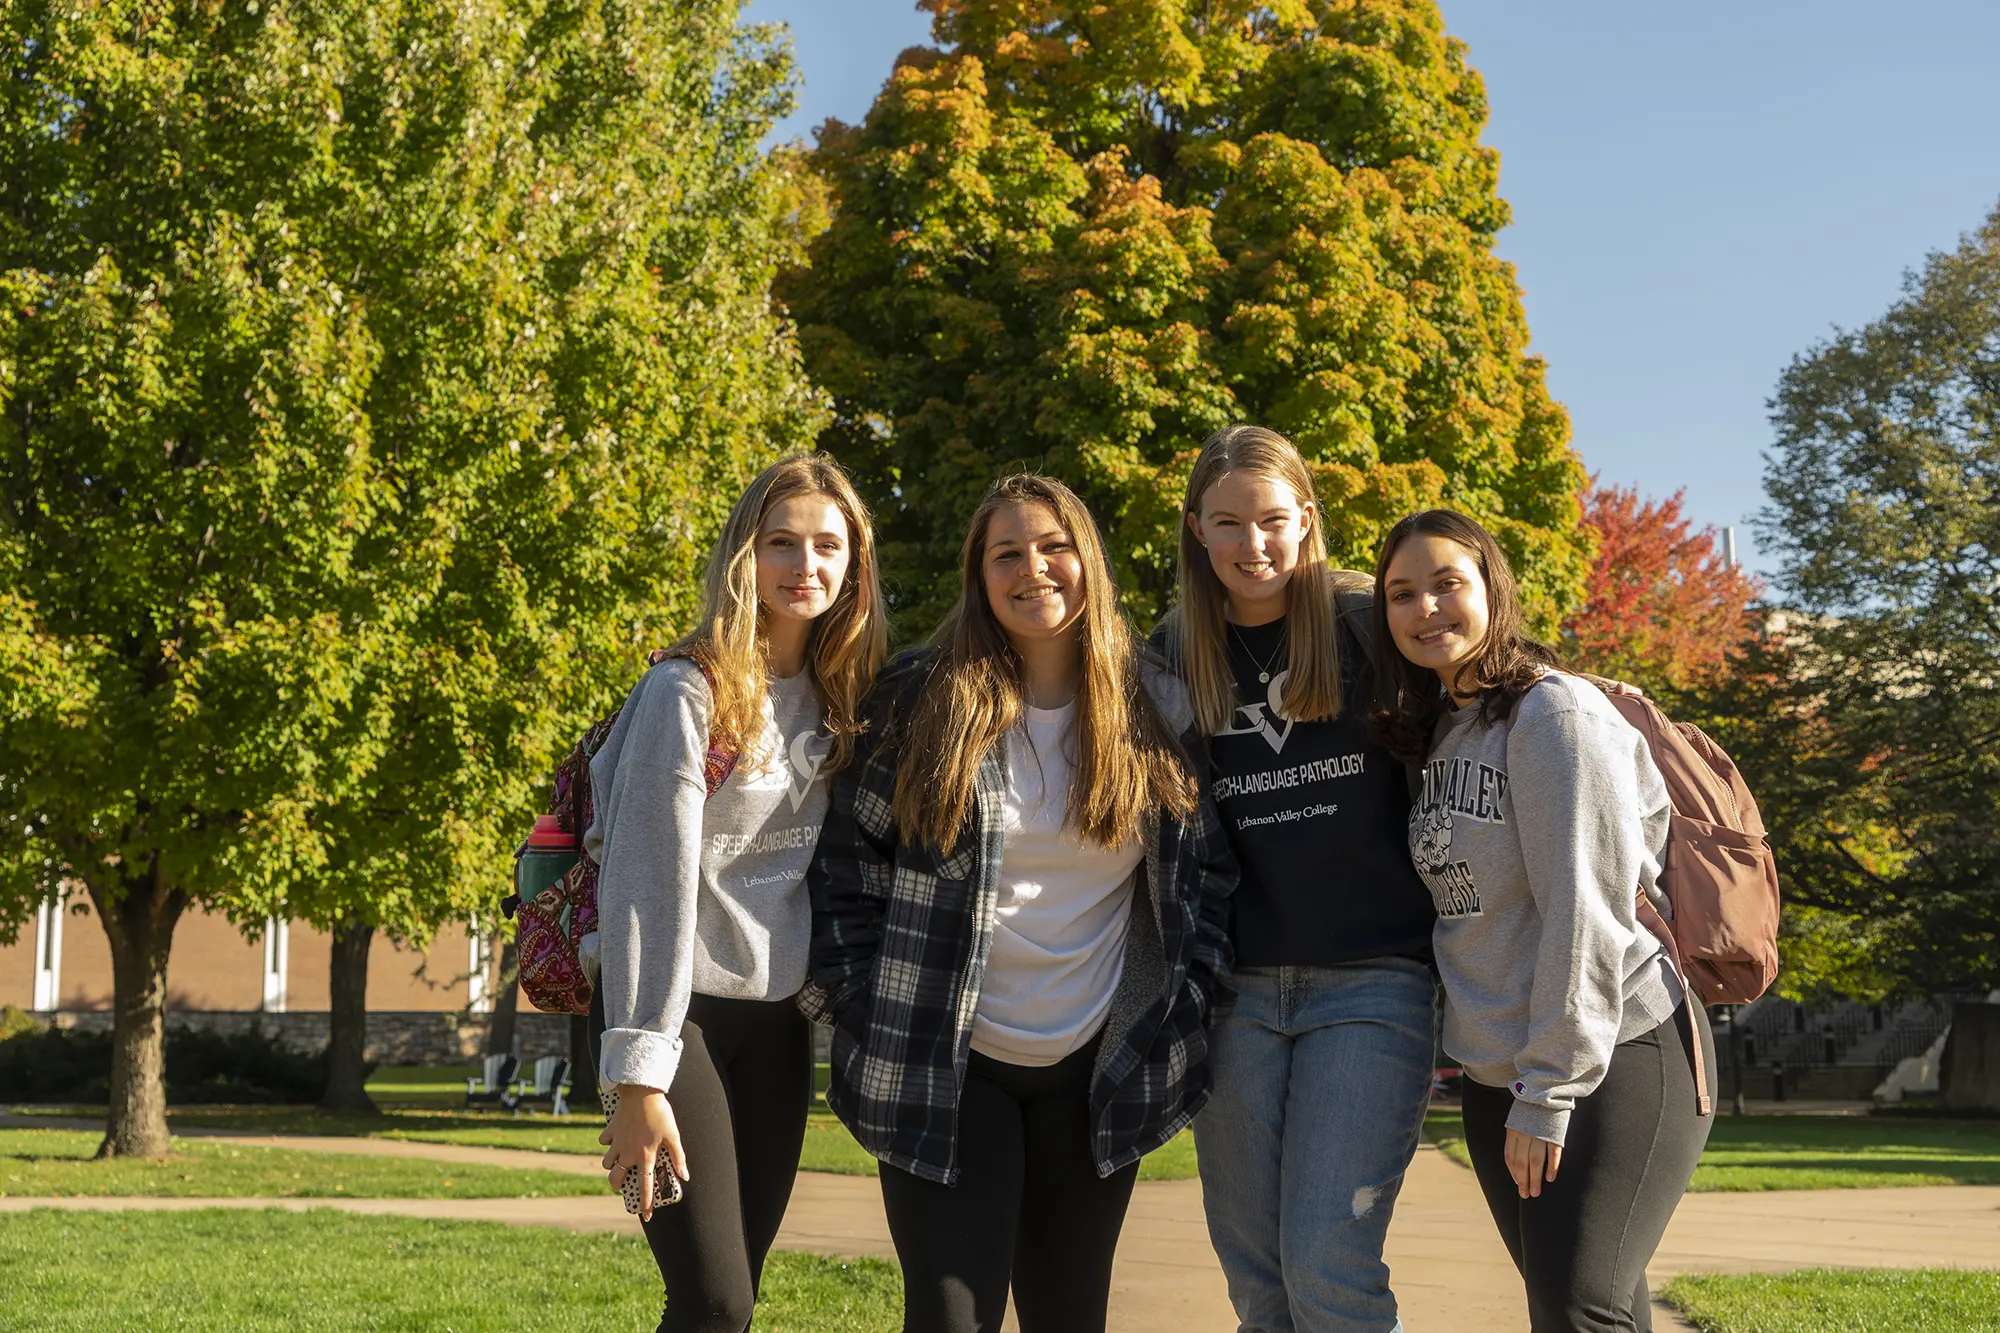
1841	1083
395	1036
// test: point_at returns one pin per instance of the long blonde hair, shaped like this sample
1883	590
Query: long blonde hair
1312	691
1128	758
846	644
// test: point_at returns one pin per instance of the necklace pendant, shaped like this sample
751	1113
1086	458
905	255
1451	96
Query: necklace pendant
1263	678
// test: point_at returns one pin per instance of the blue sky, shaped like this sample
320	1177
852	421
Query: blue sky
1700	192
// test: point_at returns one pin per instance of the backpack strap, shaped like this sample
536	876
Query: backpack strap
720	761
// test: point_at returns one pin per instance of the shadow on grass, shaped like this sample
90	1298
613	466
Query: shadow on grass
1814	1152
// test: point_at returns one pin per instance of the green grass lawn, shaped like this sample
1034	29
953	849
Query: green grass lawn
216	1271
38	1163
426	1094
442	1088
828	1145
1802	1152
1841	1300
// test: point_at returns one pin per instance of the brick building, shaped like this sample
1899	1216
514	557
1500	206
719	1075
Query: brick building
424	1007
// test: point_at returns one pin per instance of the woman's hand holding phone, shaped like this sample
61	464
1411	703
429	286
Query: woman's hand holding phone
641	1125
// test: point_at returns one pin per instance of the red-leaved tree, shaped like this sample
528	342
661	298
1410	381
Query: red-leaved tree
1662	608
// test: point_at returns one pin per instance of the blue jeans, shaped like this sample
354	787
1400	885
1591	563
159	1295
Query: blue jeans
1321	1075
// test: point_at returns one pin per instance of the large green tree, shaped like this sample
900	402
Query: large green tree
371	376
1884	751
1080	237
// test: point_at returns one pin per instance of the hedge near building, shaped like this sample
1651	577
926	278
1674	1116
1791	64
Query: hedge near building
1080	237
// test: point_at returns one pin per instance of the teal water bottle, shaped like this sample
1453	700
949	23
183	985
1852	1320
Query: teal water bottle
547	855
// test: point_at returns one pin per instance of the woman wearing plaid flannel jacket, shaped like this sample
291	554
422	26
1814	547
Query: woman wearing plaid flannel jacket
1019	928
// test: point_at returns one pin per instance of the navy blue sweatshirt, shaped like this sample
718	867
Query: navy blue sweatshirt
1317	814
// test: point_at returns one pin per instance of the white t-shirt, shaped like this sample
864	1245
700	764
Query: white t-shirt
1064	904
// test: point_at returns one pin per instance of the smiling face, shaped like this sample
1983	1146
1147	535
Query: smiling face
803	549
1252	525
1032	573
1437	605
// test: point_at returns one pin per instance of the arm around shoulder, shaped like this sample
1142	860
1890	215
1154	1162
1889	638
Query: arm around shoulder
853	866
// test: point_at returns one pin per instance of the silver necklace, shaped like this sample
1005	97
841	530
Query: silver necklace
1263	667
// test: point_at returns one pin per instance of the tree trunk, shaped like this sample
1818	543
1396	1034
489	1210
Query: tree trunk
1969	1071
140	928
500	1033
347	1034
582	1069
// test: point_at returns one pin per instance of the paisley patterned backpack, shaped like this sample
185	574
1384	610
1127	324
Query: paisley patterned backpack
555	938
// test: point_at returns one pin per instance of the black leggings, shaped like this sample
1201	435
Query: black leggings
1583	1245
739	1100
1029	1206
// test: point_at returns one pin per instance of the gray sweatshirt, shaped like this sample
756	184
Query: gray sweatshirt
1532	837
695	892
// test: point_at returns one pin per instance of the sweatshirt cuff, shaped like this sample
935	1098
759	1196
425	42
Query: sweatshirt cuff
639	1057
1538	1121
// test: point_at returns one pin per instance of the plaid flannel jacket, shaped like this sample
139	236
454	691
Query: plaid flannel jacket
900	942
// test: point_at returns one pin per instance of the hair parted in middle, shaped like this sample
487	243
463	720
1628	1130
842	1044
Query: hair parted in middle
1312	657
1128	760
847	643
1503	667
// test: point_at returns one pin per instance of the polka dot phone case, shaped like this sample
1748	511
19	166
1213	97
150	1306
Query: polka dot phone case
666	1184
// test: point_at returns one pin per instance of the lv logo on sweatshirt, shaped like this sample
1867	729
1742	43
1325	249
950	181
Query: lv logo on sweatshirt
807	756
1255	719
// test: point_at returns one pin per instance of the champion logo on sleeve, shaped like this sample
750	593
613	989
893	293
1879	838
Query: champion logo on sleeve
1520	1089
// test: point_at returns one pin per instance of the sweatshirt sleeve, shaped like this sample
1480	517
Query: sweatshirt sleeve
649	879
1578	813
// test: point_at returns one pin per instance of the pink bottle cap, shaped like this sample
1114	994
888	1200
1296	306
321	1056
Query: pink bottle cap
547	834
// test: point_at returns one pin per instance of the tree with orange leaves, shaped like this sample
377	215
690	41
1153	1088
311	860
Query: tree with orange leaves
1662	606
1082	236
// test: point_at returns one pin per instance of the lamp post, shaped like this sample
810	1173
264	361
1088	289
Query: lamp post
1736	1059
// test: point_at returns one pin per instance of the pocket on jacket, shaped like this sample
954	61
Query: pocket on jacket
843	1058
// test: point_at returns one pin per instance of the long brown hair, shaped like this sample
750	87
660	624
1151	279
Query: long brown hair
1312	690
1128	759
846	643
1505	664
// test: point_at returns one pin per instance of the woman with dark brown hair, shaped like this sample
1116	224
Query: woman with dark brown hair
1019	901
1541	819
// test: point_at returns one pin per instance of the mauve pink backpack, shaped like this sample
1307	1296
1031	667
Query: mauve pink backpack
1718	872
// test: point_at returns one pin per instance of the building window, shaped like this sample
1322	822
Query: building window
277	951
48	953
479	961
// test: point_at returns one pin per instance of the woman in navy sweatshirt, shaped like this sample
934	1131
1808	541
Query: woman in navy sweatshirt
1322	1067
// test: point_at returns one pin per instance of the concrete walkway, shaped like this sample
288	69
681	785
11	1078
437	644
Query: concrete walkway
1446	1259
1929	1226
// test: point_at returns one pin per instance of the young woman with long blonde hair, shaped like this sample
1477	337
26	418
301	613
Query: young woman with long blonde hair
1323	1065
704	919
1019	904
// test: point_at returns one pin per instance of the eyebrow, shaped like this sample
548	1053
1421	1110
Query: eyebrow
1441	569
1053	534
794	532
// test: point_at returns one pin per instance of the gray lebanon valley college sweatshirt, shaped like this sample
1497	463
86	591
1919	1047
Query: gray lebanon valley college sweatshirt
695	892
1532	835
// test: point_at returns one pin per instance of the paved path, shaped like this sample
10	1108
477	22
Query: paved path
1444	1255
1442	1250
1933	1226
